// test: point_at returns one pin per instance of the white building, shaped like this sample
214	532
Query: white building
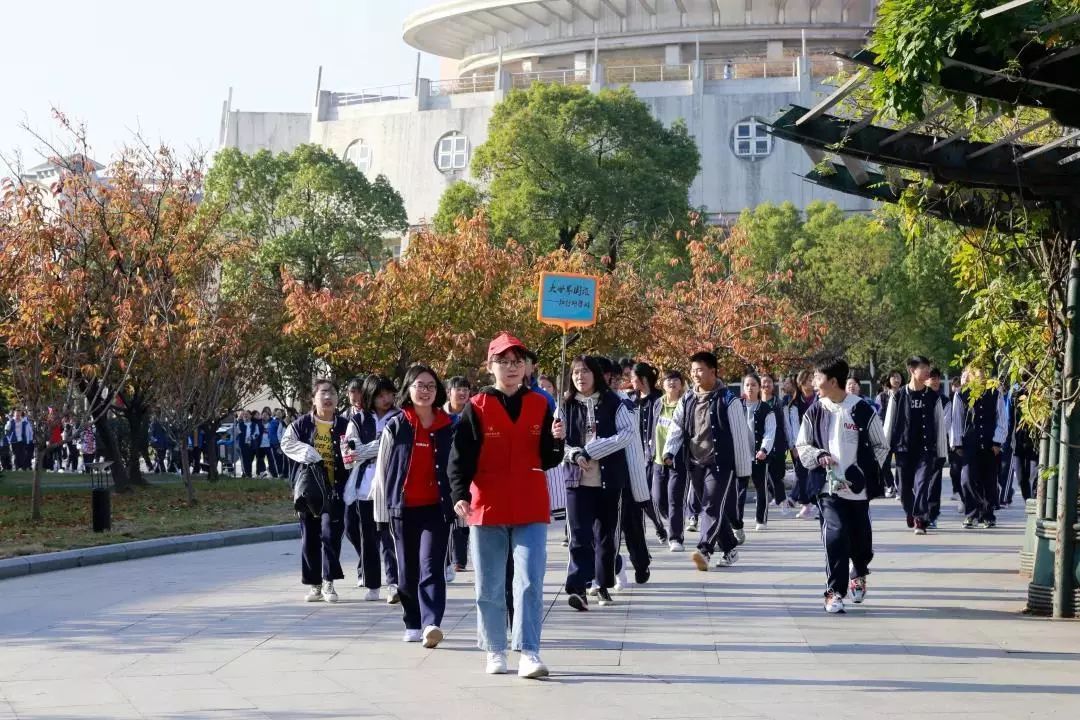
720	65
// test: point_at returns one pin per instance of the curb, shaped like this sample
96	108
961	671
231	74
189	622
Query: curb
84	557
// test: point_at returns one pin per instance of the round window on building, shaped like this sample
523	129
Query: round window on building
452	152
751	140
359	154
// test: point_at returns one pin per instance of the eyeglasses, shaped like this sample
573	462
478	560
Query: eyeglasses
504	363
424	387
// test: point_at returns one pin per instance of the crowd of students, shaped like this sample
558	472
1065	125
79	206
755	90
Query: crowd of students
427	478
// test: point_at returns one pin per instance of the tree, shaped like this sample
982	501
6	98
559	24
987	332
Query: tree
314	218
561	161
461	201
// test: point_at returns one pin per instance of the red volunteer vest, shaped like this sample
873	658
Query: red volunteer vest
509	487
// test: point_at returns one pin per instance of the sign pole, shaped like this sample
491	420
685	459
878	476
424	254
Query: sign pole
562	373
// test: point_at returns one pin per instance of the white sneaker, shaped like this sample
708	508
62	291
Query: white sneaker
592	590
372	595
954	497
411	636
621	583
920	531
805	513
833	603
675	546
740	535
359	582
531	666
433	635
700	560
314	594
728	559
329	593
759	527
858	590
393	597
496	663
450	573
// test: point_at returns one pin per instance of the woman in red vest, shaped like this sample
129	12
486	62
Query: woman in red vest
506	438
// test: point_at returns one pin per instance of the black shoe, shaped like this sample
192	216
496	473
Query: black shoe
604	597
911	521
991	523
968	523
661	535
578	602
642	576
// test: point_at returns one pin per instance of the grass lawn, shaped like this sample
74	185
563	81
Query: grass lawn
159	510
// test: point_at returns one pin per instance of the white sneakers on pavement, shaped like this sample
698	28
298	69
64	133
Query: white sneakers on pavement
329	593
411	635
675	546
496	663
371	595
531	666
834	604
433	635
314	594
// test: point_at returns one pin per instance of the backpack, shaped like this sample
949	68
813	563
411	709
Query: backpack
311	491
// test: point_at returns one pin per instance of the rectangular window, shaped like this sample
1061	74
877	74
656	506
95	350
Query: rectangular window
742	131
761	147
743	147
453	153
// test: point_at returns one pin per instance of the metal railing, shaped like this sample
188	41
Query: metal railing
648	73
552	77
751	69
461	86
383	93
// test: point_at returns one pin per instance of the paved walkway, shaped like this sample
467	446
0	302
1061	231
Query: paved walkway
225	634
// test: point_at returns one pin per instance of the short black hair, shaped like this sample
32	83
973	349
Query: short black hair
458	381
355	383
916	360
627	363
835	368
935	372
404	401
531	356
321	382
375	385
674	375
706	358
606	366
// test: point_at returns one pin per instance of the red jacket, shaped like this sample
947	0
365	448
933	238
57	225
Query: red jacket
509	487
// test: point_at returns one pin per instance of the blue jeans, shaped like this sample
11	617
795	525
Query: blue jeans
491	545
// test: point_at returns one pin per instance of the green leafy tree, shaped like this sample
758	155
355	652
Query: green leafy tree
562	162
314	218
462	200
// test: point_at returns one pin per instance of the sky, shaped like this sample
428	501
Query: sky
163	69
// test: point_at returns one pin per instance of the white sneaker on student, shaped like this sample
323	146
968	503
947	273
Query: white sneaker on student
592	590
833	603
759	527
329	593
805	513
433	635
496	663
676	546
728	559
740	535
858	590
371	595
393	597
314	594
450	573
621	583
411	635
360	582
531	666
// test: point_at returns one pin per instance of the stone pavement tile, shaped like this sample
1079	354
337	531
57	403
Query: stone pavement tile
194	703
132	687
59	693
161	666
115	711
80	664
343	703
458	709
300	682
6	711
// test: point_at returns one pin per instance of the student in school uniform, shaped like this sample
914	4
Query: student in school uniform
946	413
889	387
377	398
458	392
842	441
709	430
1025	449
979	428
669	481
411	492
802	398
776	464
761	424
915	428
315	439
648	399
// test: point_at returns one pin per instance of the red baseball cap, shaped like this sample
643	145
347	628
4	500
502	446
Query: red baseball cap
503	342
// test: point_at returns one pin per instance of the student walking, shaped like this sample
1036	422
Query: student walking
761	423
889	387
802	398
915	428
647	399
377	396
776	463
979	429
458	392
710	433
411	491
600	430
842	441
946	415
313	443
669	481
505	440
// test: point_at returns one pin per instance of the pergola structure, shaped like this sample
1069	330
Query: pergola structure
983	185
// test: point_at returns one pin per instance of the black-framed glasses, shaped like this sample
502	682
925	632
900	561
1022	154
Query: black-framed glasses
424	387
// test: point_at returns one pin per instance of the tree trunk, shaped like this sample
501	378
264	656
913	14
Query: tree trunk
612	253
35	493
566	238
185	472
135	413
107	444
211	456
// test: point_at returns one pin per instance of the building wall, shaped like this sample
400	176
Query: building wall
403	136
273	131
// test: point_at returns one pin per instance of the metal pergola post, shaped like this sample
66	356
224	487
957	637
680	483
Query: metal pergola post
1069	454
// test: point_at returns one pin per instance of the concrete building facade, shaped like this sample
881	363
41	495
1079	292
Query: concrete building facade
722	66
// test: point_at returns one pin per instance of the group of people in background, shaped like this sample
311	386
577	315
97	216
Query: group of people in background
72	445
428	477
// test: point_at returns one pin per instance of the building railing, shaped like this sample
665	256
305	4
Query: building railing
383	93
551	77
461	86
647	73
751	69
